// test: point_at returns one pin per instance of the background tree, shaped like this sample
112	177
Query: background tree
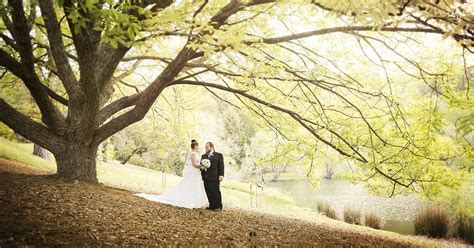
274	154
238	133
161	139
132	142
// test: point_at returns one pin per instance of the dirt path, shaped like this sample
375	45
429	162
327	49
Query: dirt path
43	210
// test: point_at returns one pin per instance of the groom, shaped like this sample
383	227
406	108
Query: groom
213	176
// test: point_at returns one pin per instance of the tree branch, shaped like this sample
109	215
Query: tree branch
114	107
28	128
149	95
144	100
51	116
347	29
290	113
64	70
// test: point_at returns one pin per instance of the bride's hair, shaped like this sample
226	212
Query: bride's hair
194	143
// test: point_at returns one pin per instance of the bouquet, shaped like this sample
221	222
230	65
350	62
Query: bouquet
206	163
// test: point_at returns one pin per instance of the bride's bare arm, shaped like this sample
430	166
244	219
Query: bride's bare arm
195	162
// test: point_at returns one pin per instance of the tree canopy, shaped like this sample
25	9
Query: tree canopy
385	84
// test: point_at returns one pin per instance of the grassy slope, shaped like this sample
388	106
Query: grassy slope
235	194
22	153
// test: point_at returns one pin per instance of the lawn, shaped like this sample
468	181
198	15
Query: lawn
23	153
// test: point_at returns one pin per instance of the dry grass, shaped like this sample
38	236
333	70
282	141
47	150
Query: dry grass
465	228
432	221
328	211
372	220
352	216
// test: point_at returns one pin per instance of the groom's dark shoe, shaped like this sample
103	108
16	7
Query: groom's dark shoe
216	209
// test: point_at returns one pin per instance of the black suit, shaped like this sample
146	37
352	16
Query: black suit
211	179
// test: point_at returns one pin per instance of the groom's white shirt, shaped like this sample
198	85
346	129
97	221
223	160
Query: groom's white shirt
210	154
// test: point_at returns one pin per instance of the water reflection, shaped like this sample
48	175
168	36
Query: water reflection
397	213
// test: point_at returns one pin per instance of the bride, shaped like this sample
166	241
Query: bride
189	193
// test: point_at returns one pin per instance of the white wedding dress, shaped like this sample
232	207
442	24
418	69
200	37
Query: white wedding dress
189	193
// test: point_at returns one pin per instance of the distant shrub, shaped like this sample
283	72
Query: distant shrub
321	206
331	213
324	208
372	220
465	228
432	221
352	216
138	161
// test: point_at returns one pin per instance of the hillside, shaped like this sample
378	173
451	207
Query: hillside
45	210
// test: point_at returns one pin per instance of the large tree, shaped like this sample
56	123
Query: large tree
88	44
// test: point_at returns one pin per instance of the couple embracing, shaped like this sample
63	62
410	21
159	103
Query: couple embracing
200	185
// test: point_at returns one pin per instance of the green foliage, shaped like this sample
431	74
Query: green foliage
106	151
238	133
459	201
396	108
272	154
161	140
378	13
408	137
432	221
117	21
6	132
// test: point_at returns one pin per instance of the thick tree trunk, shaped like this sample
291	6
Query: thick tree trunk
78	162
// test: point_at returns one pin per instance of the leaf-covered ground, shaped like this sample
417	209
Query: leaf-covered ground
44	210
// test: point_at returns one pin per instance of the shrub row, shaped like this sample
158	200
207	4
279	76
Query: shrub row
437	222
432	221
351	216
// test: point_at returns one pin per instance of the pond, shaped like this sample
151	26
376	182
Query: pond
397	213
